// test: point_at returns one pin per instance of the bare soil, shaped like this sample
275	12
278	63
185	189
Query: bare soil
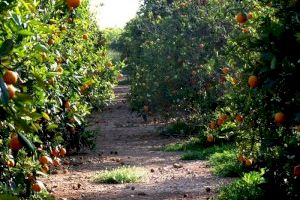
125	139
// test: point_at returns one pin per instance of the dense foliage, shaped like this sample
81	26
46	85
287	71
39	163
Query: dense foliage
54	70
229	68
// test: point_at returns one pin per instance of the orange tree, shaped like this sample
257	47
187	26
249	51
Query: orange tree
263	102
53	71
168	47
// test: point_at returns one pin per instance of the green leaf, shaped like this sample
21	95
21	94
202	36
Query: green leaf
41	47
4	96
52	127
27	144
46	116
6	47
17	19
25	33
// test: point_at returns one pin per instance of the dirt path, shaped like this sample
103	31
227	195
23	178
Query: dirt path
124	139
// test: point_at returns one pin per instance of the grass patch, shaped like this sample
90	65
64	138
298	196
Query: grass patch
193	143
226	164
245	188
203	153
121	175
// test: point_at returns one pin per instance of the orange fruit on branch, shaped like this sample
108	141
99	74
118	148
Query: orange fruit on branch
54	152
73	3
51	41
242	158
85	36
15	143
213	125
63	152
248	162
11	91
239	118
10	77
279	118
210	138
241	18
44	160
45	169
253	81
67	104
38	186
56	162
225	70
10	163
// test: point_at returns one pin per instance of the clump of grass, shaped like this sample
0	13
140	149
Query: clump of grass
121	175
226	164
203	153
193	143
245	188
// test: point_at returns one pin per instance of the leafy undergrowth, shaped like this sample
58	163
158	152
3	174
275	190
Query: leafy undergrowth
203	153
226	164
246	188
222	158
121	175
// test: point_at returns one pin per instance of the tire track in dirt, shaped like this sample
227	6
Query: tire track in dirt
124	139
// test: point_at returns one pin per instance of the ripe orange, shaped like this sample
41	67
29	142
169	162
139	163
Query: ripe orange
15	143
298	128
55	152
239	118
225	70
56	162
73	3
10	77
11	91
222	119
45	169
67	104
279	118
85	36
297	170
10	163
62	152
38	186
213	125
241	18
248	162
51	41
44	160
210	138
253	81
242	158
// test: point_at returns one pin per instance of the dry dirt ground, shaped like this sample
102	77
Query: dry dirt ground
124	139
